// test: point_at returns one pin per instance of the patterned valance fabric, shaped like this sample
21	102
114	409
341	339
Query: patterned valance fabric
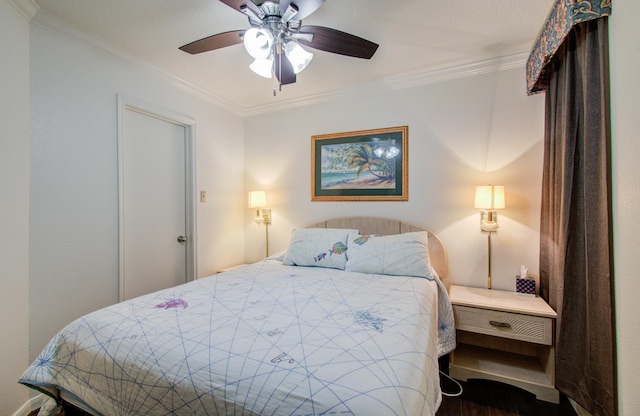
564	15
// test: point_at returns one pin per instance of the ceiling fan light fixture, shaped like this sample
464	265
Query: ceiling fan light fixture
262	67
298	57
258	42
276	30
291	11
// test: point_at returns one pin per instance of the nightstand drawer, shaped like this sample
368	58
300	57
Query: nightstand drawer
504	324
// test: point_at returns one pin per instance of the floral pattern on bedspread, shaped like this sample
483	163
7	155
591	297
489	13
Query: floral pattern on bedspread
265	339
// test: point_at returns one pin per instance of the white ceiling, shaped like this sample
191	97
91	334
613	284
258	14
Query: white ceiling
415	37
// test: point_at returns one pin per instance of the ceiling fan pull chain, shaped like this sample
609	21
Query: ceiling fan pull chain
280	67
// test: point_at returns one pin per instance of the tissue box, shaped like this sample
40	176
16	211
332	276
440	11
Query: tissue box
526	286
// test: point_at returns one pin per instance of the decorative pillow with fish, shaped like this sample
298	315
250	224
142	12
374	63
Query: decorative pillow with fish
399	255
319	247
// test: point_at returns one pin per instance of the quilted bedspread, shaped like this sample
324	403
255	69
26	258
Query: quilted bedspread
264	339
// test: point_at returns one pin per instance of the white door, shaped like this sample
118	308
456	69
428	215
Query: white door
154	209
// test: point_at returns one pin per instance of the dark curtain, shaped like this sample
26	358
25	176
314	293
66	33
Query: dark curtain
576	273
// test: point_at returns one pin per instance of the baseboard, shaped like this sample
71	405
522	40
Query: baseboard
31	405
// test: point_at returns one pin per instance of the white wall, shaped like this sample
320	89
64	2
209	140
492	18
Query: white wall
625	117
74	196
463	132
14	208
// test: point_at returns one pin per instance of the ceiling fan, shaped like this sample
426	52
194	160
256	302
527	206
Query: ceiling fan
276	30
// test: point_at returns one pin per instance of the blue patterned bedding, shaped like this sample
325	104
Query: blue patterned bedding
265	339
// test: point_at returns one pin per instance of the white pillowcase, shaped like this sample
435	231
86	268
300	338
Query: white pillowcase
320	247
399	255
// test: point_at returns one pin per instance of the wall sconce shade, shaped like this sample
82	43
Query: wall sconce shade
257	199
489	197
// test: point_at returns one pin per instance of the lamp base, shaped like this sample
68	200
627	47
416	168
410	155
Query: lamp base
489	261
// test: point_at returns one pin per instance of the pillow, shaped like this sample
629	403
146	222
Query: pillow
399	255
320	247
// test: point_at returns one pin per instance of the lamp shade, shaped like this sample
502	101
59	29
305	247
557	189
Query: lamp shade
262	67
258	42
298	57
489	197
257	199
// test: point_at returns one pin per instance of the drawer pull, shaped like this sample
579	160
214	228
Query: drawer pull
498	324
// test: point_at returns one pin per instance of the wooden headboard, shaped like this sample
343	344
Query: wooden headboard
386	226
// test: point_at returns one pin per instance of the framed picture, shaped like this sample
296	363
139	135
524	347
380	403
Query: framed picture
366	165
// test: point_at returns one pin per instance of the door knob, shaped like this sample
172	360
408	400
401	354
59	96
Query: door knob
182	239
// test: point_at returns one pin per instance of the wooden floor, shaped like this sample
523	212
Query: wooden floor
480	398
488	398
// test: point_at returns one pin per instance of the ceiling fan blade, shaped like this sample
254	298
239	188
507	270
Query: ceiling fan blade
284	69
212	42
305	7
335	41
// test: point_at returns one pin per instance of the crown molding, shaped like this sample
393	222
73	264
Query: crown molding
27	8
417	79
48	22
401	82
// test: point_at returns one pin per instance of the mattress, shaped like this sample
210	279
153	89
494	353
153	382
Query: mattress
264	339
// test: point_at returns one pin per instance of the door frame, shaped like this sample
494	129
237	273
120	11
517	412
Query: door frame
130	104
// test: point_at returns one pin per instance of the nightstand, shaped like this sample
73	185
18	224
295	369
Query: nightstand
506	337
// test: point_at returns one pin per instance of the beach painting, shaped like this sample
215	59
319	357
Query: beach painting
366	165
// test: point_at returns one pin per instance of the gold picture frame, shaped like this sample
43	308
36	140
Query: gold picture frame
364	165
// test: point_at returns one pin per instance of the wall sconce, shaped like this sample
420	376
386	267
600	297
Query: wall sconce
257	201
489	198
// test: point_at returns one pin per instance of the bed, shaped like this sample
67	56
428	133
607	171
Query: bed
350	320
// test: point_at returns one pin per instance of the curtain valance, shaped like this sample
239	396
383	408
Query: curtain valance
564	15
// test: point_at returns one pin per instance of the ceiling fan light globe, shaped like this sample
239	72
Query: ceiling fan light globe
298	57
258	43
262	67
